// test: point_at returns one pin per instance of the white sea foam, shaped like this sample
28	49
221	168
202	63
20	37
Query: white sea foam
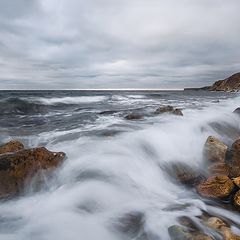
68	100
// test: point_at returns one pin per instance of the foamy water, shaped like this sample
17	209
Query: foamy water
106	179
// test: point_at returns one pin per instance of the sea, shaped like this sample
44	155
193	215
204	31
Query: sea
113	184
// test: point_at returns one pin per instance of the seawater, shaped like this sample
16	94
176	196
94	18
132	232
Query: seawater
114	184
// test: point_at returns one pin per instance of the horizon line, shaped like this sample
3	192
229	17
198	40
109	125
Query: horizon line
100	89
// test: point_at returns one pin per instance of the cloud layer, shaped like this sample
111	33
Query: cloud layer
62	44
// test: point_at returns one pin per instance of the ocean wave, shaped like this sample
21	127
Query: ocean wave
69	100
20	107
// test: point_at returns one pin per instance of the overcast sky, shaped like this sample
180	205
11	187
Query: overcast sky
59	44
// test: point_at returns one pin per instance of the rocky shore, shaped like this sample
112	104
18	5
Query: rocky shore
220	183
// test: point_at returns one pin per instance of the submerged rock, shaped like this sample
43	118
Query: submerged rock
18	168
215	150
221	227
131	223
133	117
237	111
12	146
168	109
132	226
216	187
164	109
181	233
178	112
184	173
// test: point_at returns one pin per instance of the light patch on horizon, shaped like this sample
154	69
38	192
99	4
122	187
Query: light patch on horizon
117	44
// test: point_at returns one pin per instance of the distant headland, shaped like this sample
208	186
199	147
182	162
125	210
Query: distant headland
230	84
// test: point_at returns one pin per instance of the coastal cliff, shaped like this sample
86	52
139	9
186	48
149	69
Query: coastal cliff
230	84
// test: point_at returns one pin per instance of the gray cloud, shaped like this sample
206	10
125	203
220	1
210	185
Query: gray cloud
111	44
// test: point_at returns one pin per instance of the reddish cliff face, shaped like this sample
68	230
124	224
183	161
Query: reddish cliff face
229	84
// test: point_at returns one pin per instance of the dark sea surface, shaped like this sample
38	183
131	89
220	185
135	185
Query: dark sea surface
113	184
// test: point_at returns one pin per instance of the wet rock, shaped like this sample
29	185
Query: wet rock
17	169
215	150
216	187
164	109
219	169
237	199
234	170
169	109
181	233
189	224
237	111
221	227
237	181
215	223
133	117
132	224
235	153
12	146
178	112
184	174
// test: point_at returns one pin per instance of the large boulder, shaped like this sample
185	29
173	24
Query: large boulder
12	146
216	187
215	150
18	168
